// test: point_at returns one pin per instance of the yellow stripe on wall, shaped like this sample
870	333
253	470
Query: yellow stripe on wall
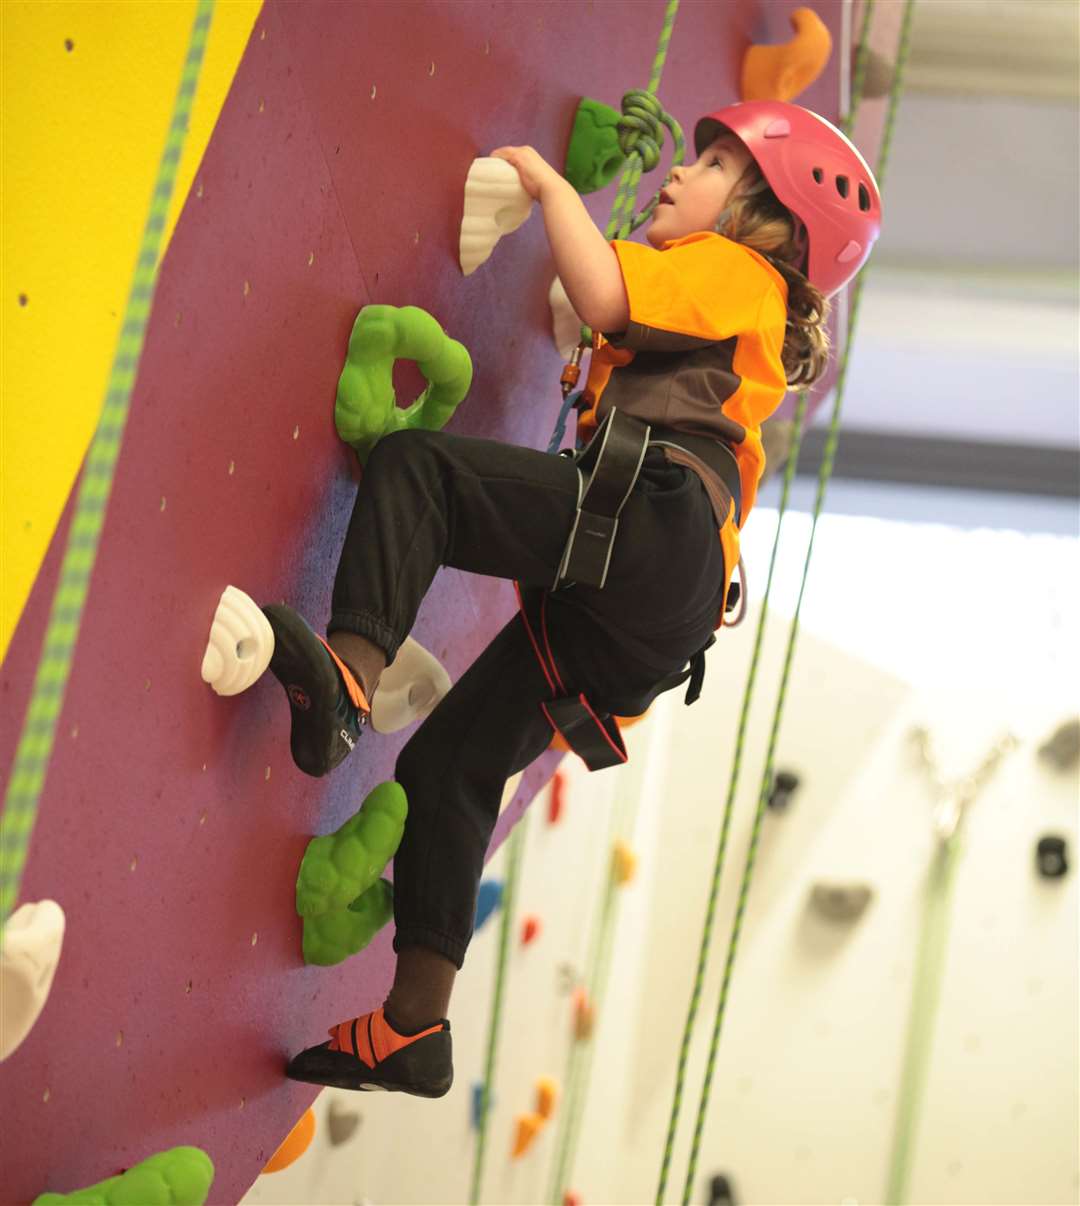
87	94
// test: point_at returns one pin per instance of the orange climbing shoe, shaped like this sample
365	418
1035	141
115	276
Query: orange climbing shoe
368	1053
328	705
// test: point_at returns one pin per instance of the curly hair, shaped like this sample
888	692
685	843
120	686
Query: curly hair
758	220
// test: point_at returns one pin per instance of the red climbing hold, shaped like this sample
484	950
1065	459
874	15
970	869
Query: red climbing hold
558	796
530	929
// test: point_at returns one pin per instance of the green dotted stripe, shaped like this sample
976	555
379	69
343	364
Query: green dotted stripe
35	746
824	475
513	871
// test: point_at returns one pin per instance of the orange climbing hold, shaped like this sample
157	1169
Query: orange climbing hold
530	929
296	1143
782	72
584	1015
570	1198
623	863
547	1093
528	1126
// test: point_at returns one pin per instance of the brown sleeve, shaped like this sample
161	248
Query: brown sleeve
641	338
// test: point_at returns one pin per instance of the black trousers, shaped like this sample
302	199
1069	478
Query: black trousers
429	499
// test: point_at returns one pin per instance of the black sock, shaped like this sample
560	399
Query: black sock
404	1031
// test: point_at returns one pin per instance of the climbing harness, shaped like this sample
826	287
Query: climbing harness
613	459
767	776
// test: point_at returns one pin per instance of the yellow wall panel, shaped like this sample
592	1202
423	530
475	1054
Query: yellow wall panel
87	95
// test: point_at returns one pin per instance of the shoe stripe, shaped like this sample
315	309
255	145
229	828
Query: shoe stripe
371	1041
354	689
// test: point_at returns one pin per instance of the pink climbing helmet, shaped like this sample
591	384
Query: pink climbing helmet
816	172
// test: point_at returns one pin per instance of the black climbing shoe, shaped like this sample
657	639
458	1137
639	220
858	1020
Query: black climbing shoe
327	703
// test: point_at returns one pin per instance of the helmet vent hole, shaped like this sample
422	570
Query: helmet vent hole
819	175
842	185
864	198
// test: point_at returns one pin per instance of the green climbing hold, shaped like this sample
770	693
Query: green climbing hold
594	156
339	894
181	1176
336	935
366	408
337	868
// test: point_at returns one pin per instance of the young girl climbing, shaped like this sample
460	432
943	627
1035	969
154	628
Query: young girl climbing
705	329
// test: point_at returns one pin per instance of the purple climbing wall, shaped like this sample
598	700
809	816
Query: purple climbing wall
172	821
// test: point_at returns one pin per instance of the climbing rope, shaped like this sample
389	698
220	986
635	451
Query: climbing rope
516	841
640	139
763	794
714	895
36	741
579	1058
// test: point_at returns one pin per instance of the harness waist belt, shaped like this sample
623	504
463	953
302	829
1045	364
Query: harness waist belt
612	460
716	454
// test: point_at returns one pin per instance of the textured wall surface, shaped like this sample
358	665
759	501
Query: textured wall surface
87	94
172	822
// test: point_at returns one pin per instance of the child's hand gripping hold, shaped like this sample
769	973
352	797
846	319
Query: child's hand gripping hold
534	170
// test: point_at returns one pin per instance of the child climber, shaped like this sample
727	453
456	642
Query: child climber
705	330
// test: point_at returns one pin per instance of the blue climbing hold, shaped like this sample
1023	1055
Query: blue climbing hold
478	1104
489	899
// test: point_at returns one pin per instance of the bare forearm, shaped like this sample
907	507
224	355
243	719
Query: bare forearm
586	264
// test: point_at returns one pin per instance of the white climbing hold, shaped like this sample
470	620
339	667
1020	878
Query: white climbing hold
33	936
565	323
409	688
240	646
496	204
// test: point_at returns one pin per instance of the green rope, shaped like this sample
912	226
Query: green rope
925	995
579	1058
862	59
641	140
54	667
516	841
740	739
706	938
824	475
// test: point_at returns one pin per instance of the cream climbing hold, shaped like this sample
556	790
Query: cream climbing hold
496	204
33	936
409	689
565	323
240	646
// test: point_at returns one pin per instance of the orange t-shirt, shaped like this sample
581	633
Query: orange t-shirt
701	352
